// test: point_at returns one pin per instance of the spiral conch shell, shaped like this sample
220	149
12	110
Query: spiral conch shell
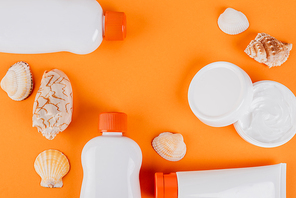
18	81
233	22
53	106
268	50
51	165
170	146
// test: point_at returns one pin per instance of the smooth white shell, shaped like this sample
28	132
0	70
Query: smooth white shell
18	81
51	165
53	106
233	22
170	146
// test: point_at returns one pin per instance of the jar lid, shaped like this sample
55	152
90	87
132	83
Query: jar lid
220	93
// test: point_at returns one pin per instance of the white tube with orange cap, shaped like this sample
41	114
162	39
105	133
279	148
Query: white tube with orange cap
254	182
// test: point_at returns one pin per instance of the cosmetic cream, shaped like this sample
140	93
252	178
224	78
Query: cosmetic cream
271	118
263	113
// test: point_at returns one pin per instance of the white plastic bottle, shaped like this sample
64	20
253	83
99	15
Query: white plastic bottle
111	162
254	182
45	26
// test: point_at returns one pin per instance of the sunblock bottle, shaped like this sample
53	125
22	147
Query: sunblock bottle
255	182
111	162
45	26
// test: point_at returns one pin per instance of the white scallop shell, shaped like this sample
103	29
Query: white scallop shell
53	106
233	22
18	81
170	146
51	165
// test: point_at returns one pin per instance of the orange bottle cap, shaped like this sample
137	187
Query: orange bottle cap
115	26
166	185
113	122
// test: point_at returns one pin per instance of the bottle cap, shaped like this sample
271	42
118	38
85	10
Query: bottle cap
166	185
115	26
113	122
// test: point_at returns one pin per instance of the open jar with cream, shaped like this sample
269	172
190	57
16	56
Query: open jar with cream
263	113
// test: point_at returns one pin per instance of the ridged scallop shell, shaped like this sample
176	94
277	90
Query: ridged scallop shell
233	22
268	50
18	81
53	106
170	146
51	165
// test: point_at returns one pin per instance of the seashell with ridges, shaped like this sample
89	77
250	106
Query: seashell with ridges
268	50
18	81
233	22
53	106
51	165
170	146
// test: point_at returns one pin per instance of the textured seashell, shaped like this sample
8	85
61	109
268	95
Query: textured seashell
170	146
18	81
268	50
233	22
51	165
53	106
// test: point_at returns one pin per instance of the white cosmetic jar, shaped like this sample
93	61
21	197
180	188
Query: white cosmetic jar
270	120
221	94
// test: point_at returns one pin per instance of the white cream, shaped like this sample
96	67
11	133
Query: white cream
271	116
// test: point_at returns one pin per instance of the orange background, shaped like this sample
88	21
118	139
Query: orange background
147	77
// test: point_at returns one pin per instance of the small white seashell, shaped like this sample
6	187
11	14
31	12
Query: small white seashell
53	106
18	81
233	22
52	165
170	146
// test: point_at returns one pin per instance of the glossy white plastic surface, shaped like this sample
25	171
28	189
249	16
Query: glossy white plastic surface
220	93
111	165
44	26
255	182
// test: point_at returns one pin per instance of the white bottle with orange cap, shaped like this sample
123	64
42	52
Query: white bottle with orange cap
45	26
111	162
